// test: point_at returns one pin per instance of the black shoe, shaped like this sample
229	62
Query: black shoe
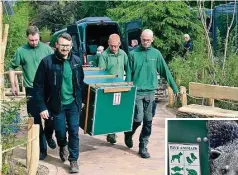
63	153
144	153
111	138
74	167
43	155
128	140
51	143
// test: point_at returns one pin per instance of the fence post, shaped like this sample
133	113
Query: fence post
17	83
35	150
183	96
211	102
171	97
22	85
29	137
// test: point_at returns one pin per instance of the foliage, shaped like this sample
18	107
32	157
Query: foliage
10	118
17	29
53	15
223	21
169	21
193	68
58	14
45	34
231	72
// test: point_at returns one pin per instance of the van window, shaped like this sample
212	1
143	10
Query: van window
97	35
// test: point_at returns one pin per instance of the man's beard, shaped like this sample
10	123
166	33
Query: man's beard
60	55
33	46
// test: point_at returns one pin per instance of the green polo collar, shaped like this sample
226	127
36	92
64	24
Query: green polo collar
143	48
113	54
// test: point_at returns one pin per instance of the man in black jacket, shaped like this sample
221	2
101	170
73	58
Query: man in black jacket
58	83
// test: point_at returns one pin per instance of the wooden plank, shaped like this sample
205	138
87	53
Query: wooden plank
19	94
15	98
17	83
100	76
16	72
22	84
208	111
119	89
112	84
92	68
213	91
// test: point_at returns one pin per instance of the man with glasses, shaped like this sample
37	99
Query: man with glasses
114	60
144	63
28	57
58	83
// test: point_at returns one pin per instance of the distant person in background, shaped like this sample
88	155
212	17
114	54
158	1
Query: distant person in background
134	44
188	46
100	50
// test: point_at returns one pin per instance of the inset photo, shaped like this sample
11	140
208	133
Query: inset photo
201	146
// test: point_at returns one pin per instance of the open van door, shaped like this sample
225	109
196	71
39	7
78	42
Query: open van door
76	39
133	30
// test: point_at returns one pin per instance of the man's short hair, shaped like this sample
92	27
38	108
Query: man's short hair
148	31
100	48
186	36
65	36
32	30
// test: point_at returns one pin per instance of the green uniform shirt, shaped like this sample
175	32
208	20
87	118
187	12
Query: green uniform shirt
114	63
29	58
143	67
67	85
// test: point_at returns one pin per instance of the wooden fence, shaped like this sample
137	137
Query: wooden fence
32	147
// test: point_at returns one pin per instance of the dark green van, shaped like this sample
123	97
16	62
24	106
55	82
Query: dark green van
91	32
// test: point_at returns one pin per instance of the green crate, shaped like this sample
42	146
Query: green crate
108	104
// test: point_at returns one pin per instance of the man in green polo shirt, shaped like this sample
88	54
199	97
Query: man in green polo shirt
144	63
28	57
114	60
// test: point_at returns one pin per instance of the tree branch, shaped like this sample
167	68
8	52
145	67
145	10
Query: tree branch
227	37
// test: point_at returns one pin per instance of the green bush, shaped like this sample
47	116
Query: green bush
168	20
45	34
10	118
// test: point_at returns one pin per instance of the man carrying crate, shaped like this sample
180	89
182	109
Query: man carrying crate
114	60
